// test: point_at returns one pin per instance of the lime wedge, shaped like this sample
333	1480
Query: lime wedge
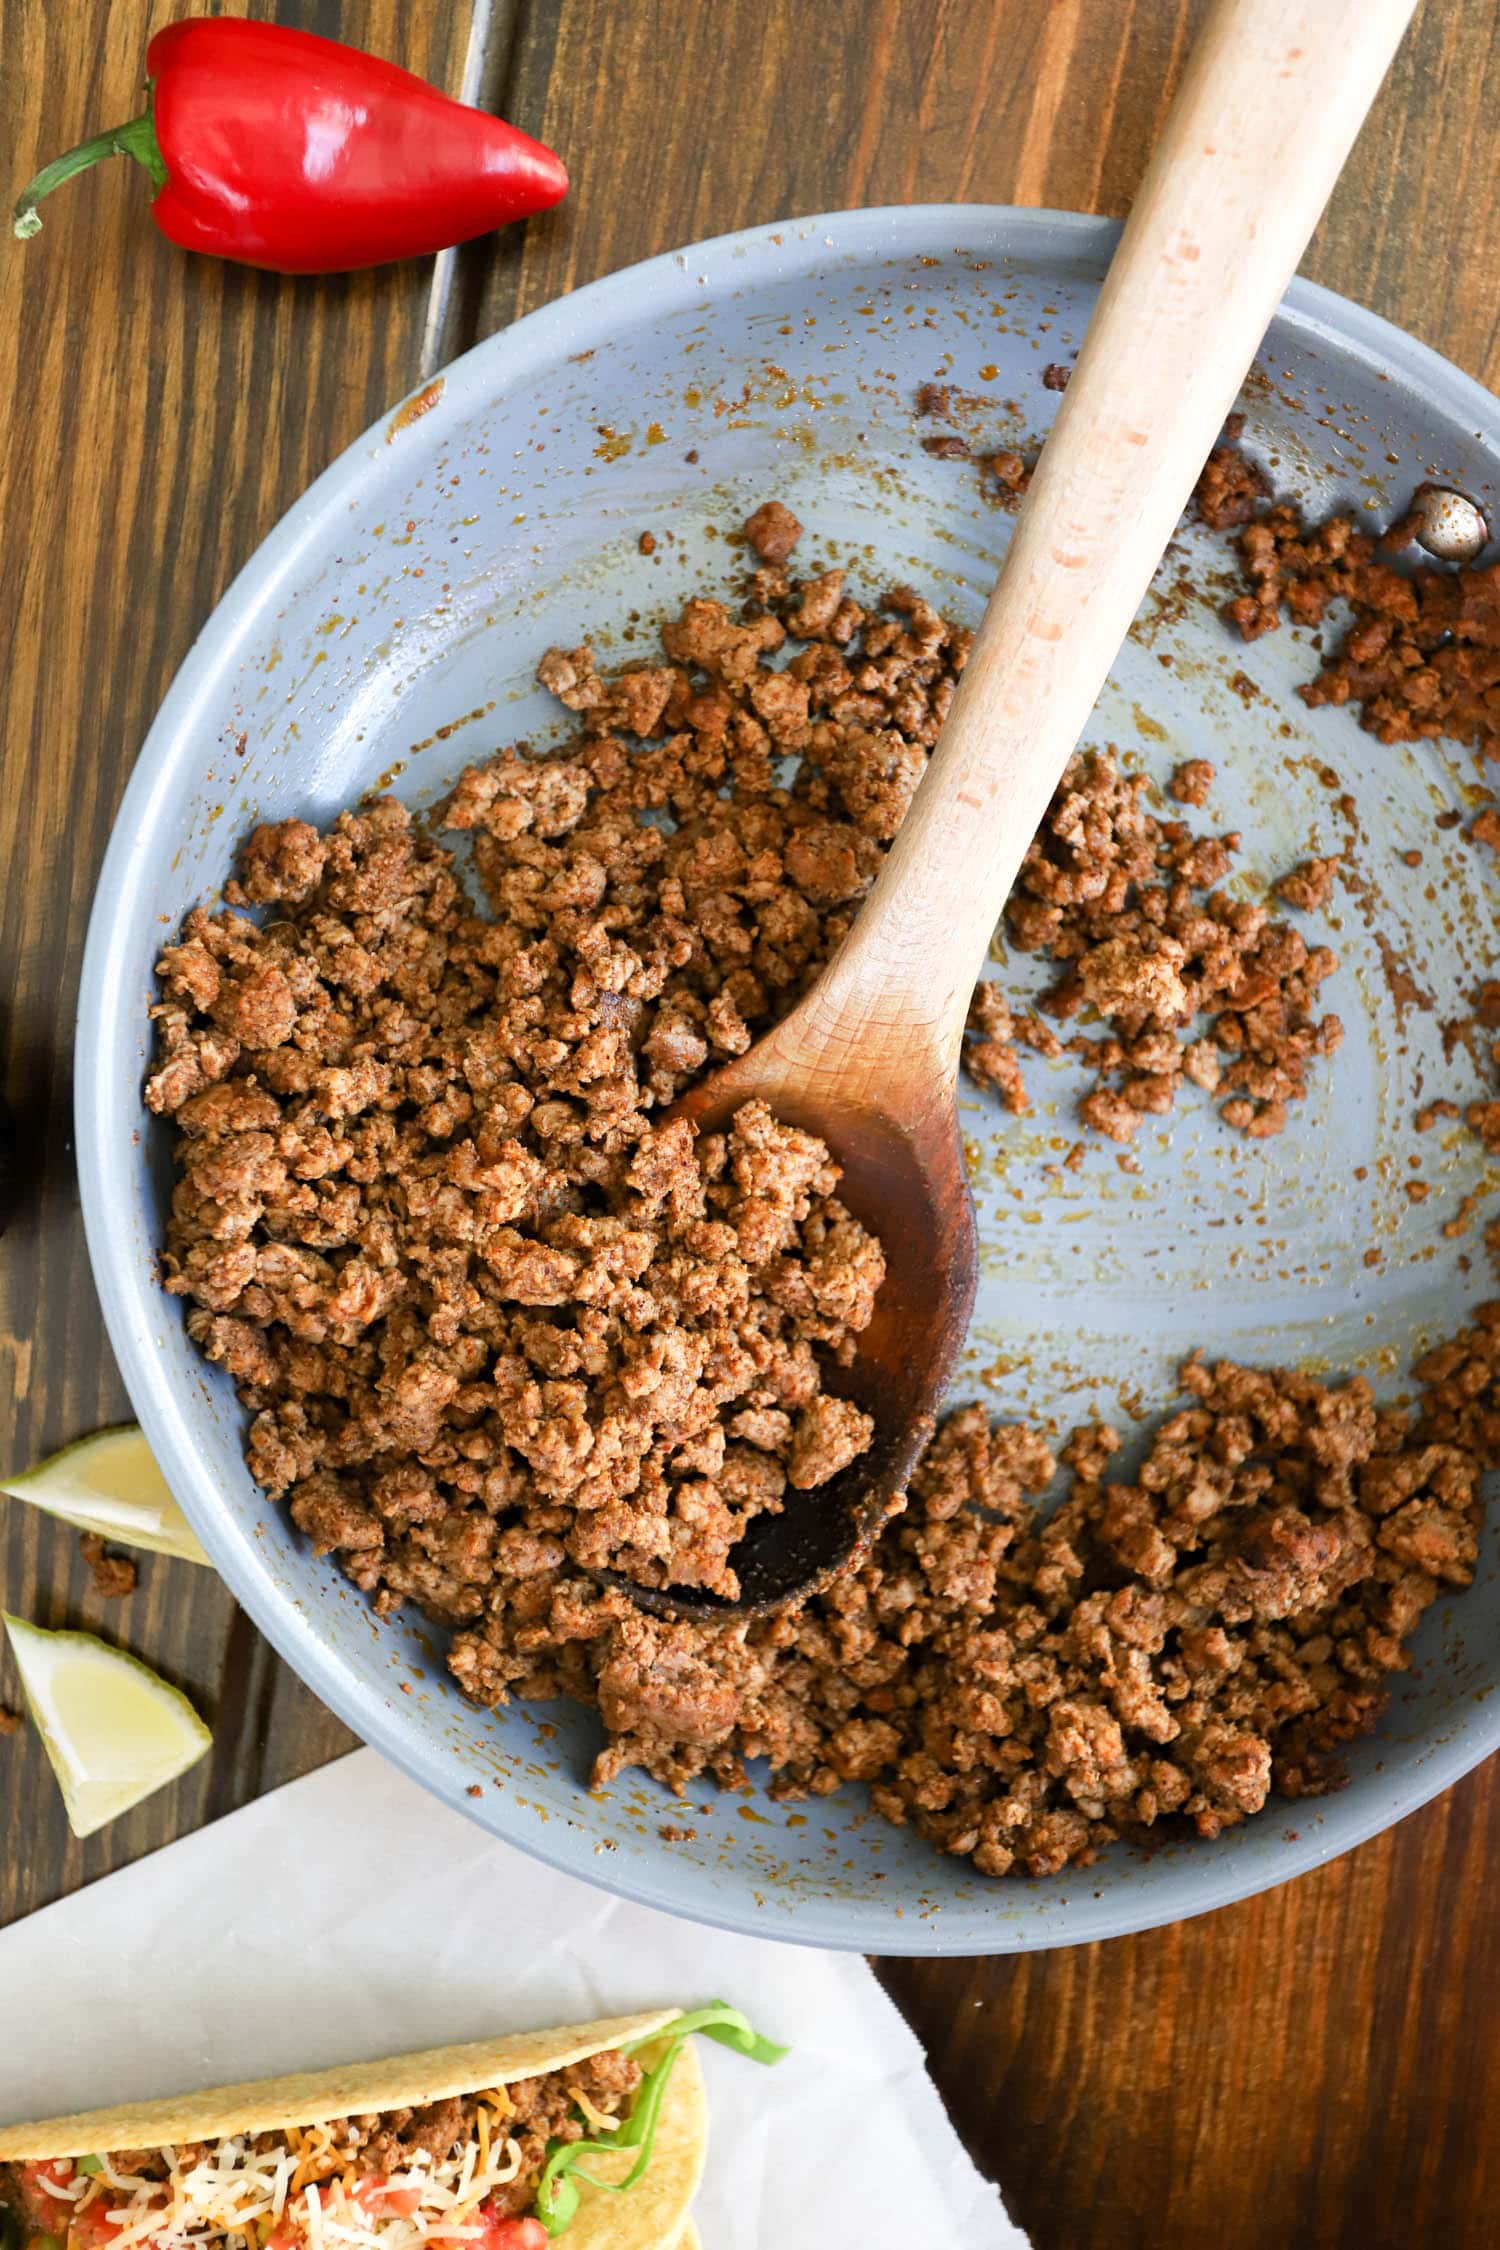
110	1483
113	1730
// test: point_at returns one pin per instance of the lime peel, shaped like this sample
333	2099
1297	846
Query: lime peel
114	1730
109	1483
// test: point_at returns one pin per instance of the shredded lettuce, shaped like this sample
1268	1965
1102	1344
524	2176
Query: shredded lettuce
557	2190
91	2165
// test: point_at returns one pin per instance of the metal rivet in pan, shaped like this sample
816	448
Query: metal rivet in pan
1449	525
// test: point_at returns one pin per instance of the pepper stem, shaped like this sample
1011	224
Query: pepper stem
137	139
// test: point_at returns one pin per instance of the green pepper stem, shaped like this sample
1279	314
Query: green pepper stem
137	139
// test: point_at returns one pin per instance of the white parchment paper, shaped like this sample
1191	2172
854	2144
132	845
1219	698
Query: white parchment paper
349	1915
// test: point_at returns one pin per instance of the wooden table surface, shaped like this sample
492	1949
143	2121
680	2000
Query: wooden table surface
1317	2066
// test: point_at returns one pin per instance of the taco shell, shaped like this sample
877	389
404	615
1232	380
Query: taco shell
653	2212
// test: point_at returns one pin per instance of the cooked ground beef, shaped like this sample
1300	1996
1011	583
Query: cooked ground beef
1005	474
1190	982
114	1576
486	1311
946	445
1420	655
543	2109
496	1323
773	531
1310	884
489	1311
1230	489
1191	781
18	2195
1418	659
11	1722
1021	1687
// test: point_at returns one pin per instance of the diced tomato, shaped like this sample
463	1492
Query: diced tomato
508	2234
286	2236
93	2227
382	2199
39	2183
489	2229
526	2234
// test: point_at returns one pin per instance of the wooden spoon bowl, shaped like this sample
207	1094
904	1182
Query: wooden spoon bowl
904	1179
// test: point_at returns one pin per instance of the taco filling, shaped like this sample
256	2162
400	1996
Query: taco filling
459	2172
498	2168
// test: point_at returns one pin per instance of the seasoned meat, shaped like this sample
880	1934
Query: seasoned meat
499	1321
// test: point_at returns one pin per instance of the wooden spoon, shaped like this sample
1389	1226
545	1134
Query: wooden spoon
1269	105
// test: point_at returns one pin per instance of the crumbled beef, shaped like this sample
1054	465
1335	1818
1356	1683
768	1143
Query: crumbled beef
11	1722
1020	1688
1231	488
113	1575
473	1291
1188	981
1008	472
541	2111
1191	781
1309	885
280	864
496	1322
1419	658
1420	655
773	531
1482	1117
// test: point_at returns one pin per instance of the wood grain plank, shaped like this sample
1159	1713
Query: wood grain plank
168	411
801	107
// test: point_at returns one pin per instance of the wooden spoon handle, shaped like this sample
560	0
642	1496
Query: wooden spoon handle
1272	98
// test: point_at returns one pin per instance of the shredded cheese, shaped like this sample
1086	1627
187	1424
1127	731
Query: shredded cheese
70	2190
236	2193
599	2119
317	2157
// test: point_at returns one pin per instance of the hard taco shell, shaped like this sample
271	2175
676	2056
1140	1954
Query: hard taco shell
654	2211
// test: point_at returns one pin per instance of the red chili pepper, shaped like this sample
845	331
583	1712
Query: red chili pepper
281	149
